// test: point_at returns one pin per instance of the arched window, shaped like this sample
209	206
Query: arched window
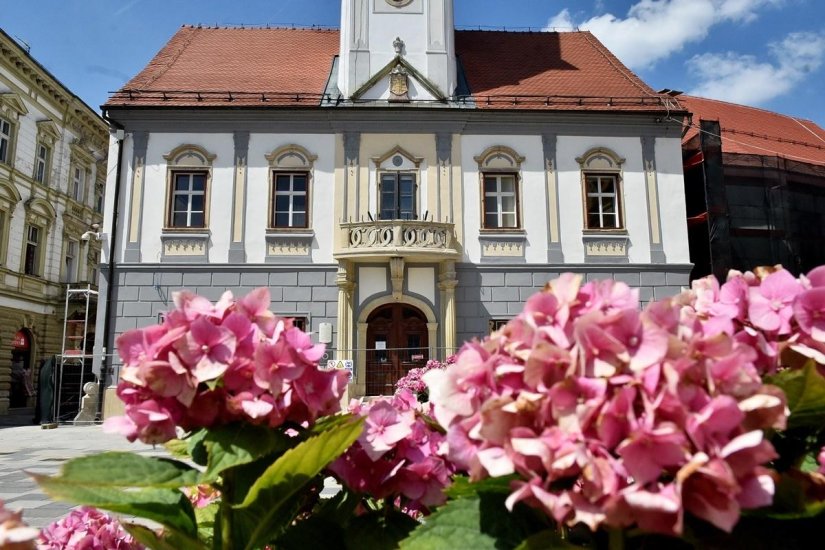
290	184
500	173
601	171
189	175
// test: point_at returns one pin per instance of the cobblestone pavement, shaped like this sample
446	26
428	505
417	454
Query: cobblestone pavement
32	449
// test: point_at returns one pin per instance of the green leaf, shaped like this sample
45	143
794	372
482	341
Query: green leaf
805	391
206	518
292	471
545	540
796	497
166	541
117	469
197	450
168	507
455	525
463	487
239	444
379	530
178	448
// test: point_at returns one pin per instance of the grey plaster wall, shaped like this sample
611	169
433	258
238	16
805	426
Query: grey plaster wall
144	292
494	292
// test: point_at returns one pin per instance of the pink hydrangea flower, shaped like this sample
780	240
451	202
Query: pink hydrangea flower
88	529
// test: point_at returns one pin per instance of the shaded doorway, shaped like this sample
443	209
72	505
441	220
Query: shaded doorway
22	382
397	340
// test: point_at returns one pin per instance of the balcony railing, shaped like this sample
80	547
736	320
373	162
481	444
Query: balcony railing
398	238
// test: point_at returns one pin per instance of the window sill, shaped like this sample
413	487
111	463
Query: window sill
185	232
290	232
604	232
502	232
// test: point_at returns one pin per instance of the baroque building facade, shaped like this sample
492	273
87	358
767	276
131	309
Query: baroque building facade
52	176
406	183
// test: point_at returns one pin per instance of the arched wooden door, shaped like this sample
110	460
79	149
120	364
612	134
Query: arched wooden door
397	340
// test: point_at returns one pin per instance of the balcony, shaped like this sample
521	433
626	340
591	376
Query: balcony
411	239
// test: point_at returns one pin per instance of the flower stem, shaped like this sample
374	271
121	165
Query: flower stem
615	539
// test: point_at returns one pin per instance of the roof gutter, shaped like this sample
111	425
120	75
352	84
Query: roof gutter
120	135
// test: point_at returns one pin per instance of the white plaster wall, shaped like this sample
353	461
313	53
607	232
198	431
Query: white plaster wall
533	193
220	200
671	187
322	192
371	281
109	201
634	198
421	280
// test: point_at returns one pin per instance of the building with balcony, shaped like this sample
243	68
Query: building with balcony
52	175
405	182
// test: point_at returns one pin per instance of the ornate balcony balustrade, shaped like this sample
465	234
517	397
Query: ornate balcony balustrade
408	238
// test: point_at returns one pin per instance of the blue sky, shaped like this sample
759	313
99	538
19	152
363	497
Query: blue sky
767	53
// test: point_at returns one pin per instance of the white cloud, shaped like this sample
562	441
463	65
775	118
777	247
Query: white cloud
655	29
745	79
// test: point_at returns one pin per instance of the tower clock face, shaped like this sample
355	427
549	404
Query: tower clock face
398	3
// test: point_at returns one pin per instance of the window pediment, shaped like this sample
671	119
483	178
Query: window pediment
397	159
9	196
499	158
47	131
11	105
600	159
81	154
291	157
189	156
40	212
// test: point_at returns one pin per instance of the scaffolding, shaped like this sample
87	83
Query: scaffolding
75	360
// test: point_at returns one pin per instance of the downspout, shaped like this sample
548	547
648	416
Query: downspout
107	321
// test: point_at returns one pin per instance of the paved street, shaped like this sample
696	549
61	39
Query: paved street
32	449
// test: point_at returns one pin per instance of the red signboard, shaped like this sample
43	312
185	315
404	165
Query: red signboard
20	340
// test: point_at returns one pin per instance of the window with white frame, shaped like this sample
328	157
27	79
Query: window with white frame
188	200
602	190
397	196
602	202
501	201
289	199
41	163
5	140
78	183
70	262
34	236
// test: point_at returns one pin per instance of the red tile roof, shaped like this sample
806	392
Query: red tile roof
203	66
752	131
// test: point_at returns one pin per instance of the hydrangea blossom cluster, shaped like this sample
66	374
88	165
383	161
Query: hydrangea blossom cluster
14	533
212	364
87	528
399	455
615	416
412	381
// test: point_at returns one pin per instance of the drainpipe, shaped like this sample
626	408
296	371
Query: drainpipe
107	324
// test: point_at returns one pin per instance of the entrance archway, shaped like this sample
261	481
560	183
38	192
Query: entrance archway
22	375
397	340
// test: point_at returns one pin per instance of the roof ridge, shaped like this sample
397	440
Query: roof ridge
172	57
617	64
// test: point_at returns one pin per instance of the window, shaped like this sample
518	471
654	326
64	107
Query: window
500	201
497	324
189	172
397	194
602	202
5	140
78	183
41	163
188	200
99	195
289	198
70	262
32	251
602	190
300	323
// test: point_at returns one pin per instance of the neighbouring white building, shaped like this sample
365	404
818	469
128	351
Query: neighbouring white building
408	183
52	175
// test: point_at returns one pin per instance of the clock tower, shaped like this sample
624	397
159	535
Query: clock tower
382	39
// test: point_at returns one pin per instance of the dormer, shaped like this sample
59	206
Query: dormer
397	50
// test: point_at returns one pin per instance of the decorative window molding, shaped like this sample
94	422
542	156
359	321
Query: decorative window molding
188	184
40	216
9	197
602	191
499	158
289	234
499	170
291	157
397	183
48	132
